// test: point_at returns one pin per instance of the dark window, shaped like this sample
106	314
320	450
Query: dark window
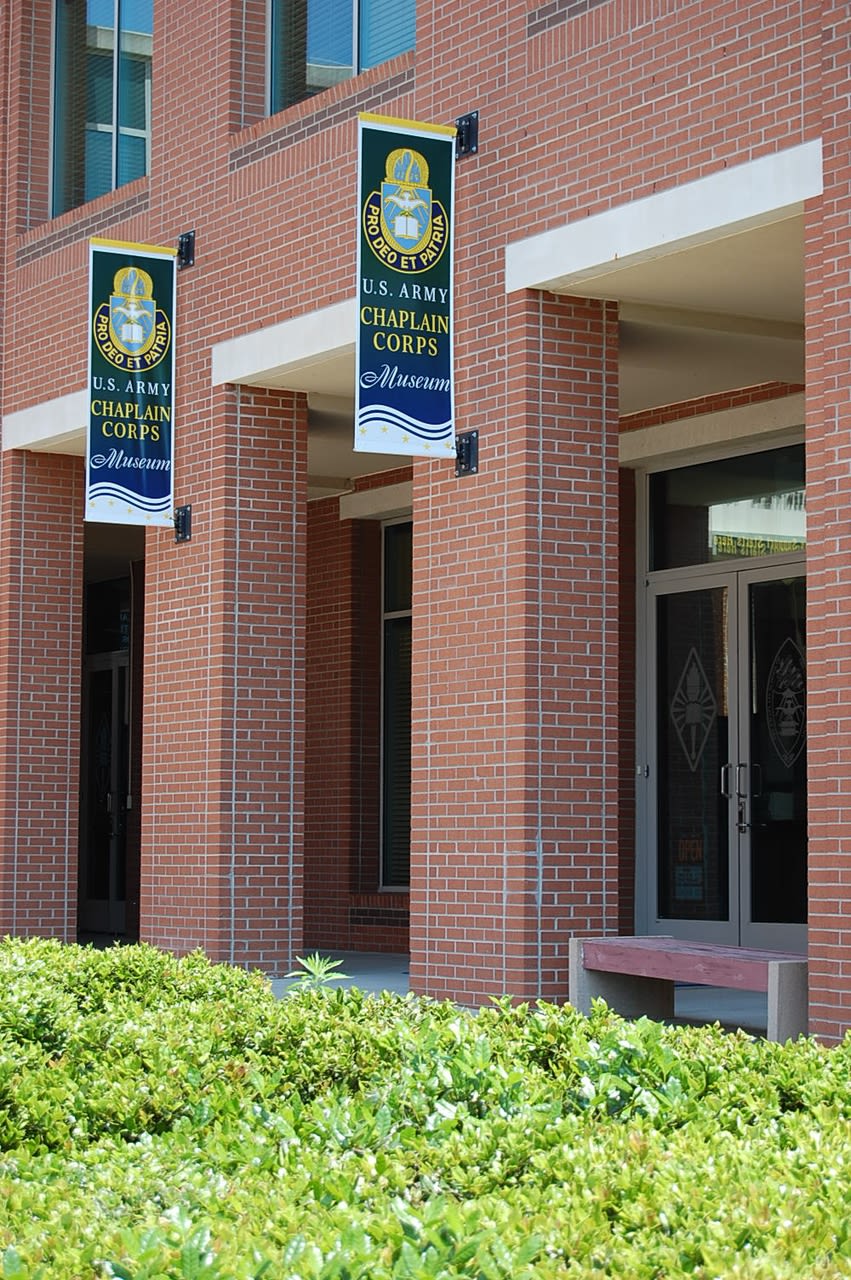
317	43
396	707
101	97
739	507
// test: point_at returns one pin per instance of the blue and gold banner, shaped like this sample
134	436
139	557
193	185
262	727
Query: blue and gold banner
130	448
404	386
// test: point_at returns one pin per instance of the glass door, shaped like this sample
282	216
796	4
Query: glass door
103	833
726	813
772	779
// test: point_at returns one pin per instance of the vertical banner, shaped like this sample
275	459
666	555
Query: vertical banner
404	385
130	446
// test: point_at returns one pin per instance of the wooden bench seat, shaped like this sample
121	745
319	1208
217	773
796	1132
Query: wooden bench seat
636	976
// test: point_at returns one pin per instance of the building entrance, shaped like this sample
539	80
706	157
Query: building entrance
106	795
729	783
109	846
724	786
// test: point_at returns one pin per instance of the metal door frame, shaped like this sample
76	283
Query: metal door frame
737	576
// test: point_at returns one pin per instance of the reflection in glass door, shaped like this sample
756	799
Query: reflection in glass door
728	815
773	788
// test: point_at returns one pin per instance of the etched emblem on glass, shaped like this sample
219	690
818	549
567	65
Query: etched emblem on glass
785	702
693	709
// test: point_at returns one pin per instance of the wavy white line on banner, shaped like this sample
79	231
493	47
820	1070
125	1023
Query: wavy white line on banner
127	495
390	417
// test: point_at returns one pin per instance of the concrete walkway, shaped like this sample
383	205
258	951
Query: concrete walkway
376	972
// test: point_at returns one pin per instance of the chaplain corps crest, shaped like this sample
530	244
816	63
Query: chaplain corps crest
130	331
405	227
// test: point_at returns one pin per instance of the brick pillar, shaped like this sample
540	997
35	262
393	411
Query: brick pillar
223	755
41	576
515	776
828	447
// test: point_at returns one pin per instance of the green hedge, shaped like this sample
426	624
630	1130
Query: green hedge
171	1118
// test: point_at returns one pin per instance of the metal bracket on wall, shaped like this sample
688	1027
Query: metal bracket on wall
467	453
467	137
186	250
183	524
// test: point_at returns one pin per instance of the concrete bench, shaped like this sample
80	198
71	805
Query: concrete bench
636	976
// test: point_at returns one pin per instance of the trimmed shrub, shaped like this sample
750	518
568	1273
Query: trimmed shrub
164	1117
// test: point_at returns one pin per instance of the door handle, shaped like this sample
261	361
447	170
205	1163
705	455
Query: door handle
742	822
725	780
741	772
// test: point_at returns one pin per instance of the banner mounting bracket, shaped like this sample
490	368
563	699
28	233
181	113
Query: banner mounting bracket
186	250
467	137
467	453
183	523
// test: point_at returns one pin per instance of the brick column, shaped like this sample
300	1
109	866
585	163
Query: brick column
828	446
41	576
222	819
515	779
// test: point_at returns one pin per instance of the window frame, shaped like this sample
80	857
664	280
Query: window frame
61	175
273	107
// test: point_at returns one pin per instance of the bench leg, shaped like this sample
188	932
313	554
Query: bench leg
787	1000
628	995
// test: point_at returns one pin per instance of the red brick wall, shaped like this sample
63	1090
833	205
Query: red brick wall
222	835
343	905
514	838
708	404
828	446
582	108
41	566
627	659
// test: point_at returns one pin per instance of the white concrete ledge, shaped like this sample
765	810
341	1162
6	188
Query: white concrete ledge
768	422
288	353
378	504
54	426
733	200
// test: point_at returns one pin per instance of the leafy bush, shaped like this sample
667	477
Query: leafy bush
171	1118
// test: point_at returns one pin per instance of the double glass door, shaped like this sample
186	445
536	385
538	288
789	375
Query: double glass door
726	779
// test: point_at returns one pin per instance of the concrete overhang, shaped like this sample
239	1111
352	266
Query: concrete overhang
708	275
313	352
594	256
55	426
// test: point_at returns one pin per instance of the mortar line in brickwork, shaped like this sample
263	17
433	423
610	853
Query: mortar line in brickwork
506	443
203	859
66	910
607	498
297	480
18	706
539	816
426	912
237	480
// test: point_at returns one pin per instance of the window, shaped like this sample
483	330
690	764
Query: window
317	43
102	97
396	707
714	511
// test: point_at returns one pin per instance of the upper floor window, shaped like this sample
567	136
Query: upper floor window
317	43
101	97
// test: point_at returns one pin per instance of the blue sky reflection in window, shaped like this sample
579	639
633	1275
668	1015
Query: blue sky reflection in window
102	97
318	43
